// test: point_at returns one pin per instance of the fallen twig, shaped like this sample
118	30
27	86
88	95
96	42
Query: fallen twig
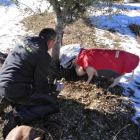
115	138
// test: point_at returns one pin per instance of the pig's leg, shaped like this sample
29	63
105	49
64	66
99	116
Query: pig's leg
131	77
79	70
116	81
90	72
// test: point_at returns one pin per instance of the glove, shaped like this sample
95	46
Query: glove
59	86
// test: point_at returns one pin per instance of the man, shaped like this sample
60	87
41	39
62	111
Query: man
23	80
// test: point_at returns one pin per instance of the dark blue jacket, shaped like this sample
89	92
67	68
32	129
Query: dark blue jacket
27	64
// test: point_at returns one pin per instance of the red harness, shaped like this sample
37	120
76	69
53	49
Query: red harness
116	60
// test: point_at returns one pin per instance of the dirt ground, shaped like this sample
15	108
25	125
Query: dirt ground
90	112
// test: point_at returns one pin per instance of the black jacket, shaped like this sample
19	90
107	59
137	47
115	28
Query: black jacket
27	64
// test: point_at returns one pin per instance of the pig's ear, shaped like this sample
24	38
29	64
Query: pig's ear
79	70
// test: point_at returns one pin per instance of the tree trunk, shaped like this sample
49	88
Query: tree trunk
60	25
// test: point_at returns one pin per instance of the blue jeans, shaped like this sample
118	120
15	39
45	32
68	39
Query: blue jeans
36	105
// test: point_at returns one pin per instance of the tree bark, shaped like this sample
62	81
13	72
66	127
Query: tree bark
60	25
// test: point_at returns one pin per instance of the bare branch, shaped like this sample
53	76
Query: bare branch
25	5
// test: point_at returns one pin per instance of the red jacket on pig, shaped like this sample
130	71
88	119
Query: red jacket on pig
116	61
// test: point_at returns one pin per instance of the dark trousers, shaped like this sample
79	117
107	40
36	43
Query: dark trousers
35	105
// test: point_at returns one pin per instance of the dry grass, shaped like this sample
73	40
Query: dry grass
108	35
87	111
79	32
36	23
117	39
117	46
138	39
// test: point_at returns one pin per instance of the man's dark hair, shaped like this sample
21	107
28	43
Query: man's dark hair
48	34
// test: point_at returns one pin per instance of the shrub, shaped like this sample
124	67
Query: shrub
135	29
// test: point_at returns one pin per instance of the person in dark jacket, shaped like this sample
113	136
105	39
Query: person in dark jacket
23	80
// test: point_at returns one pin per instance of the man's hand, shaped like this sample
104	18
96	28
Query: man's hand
59	86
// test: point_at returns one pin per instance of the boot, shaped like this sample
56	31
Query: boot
11	121
3	103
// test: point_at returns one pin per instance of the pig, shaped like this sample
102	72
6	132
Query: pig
109	63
